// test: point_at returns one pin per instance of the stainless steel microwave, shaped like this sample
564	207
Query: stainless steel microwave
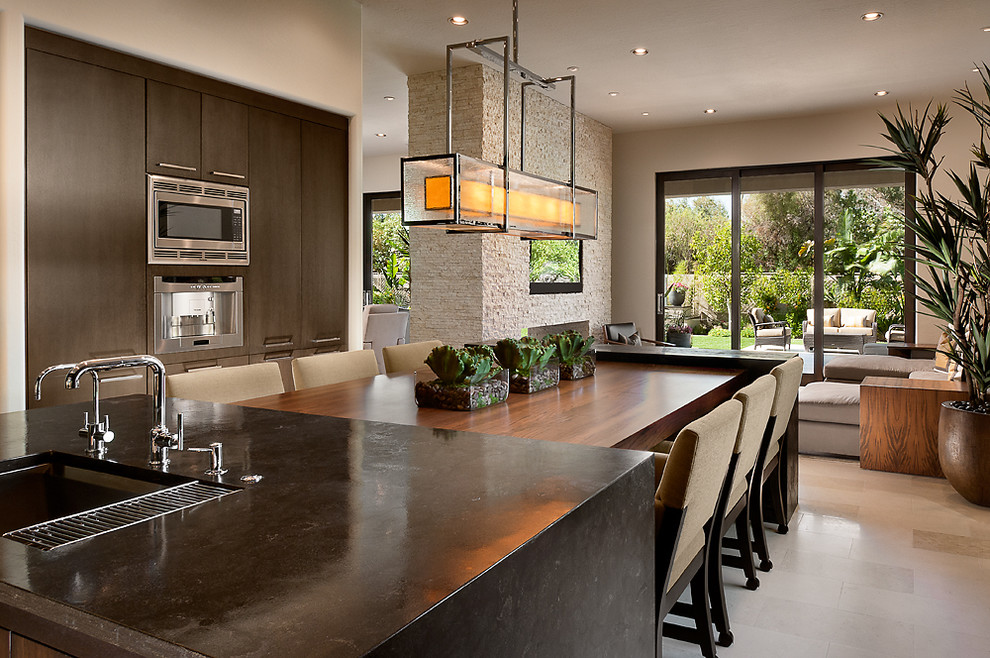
193	221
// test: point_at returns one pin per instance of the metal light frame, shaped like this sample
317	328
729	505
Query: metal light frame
496	217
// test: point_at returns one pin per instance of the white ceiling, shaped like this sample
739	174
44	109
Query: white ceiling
747	58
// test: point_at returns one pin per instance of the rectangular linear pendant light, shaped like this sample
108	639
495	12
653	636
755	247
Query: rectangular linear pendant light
462	194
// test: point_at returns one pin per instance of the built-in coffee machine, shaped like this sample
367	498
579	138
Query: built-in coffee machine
198	313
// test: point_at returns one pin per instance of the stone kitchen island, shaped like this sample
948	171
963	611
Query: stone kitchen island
362	537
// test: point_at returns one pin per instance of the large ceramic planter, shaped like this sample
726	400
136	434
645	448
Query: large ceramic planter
584	368
436	394
675	298
536	379
964	452
679	339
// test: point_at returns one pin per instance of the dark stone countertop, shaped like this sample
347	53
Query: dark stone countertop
356	529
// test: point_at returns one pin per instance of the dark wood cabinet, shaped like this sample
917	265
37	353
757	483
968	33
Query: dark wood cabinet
174	129
85	232
225	141
271	286
22	647
324	237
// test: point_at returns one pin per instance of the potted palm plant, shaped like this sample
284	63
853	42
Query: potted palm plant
530	363
954	286
467	379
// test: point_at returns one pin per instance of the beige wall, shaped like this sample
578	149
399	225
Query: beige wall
471	287
639	156
382	173
305	50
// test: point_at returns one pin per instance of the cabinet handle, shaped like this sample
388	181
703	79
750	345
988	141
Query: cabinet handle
169	165
224	173
287	343
317	341
278	356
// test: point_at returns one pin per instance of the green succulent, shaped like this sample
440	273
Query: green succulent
570	346
462	367
522	355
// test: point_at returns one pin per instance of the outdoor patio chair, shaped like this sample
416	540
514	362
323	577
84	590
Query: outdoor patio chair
768	331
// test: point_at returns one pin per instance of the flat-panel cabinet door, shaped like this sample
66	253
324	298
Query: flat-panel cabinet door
22	647
225	141
85	228
271	286
174	129
324	236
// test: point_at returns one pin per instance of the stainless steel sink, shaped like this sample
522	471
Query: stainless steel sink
52	499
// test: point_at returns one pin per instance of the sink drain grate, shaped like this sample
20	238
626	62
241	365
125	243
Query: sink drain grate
83	525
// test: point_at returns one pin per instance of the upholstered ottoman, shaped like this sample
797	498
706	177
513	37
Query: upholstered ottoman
828	419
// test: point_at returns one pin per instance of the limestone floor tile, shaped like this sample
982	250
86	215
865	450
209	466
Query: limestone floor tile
752	642
925	613
821	542
861	572
945	543
836	650
833	482
930	641
831	525
829	508
827	624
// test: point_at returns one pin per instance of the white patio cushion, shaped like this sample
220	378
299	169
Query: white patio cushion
858	317
768	333
854	331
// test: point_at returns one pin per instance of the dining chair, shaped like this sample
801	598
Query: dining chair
733	504
788	376
332	368
690	479
384	329
230	384
403	358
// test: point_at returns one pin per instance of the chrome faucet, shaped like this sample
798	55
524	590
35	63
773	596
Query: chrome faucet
98	432
162	439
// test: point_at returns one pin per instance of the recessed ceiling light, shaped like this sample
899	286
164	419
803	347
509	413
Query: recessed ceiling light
646	114
987	28
613	93
881	92
573	69
871	16
640	51
390	98
458	20
380	135
711	110
976	70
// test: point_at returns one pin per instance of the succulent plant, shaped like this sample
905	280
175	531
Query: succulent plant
522	355
570	346
462	367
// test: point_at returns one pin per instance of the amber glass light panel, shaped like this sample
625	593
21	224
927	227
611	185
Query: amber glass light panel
461	193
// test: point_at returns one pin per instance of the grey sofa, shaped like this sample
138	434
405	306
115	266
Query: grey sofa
828	411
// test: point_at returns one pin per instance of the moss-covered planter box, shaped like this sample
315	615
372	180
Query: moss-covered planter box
436	394
584	368
537	379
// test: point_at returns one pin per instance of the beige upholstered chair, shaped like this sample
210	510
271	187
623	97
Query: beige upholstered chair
333	367
788	376
690	479
402	358
226	384
733	507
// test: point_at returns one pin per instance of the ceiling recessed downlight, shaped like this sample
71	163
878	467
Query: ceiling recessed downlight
613	93
380	135
458	20
646	114
881	92
573	69
987	28
871	16
390	98
639	52
710	110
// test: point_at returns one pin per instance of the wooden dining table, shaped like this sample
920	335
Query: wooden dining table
625	405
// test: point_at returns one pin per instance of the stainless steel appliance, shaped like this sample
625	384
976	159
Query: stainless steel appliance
198	313
194	221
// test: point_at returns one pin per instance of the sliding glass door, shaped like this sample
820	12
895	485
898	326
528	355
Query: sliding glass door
760	253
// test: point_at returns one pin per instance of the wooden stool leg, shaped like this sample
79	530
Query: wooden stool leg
702	613
777	500
756	523
716	592
746	548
